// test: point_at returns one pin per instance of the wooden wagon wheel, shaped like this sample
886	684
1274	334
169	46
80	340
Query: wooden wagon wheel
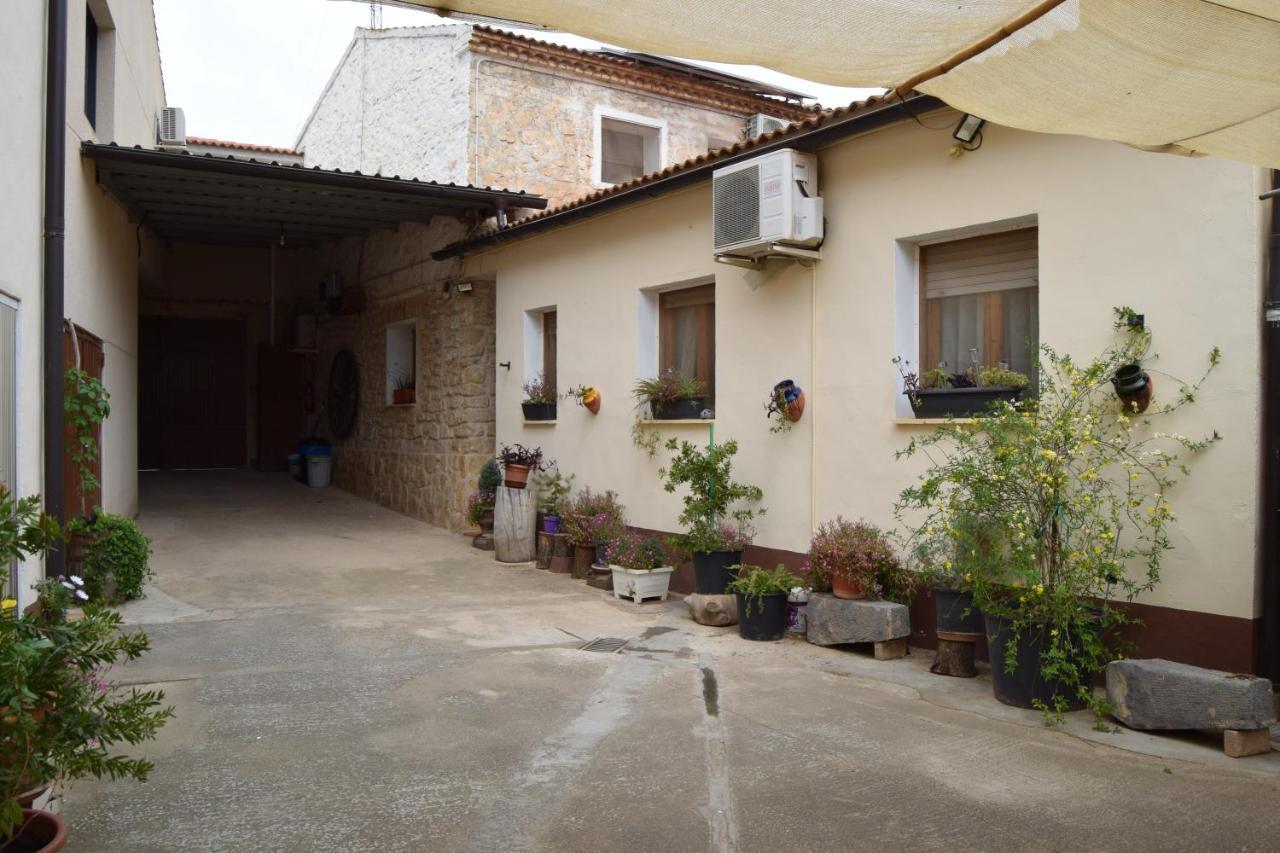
344	393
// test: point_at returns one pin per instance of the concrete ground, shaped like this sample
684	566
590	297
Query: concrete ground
348	679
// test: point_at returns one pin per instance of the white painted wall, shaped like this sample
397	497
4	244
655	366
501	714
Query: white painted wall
1177	239
102	253
397	104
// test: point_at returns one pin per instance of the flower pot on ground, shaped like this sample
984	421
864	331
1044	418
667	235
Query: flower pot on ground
855	560
1060	510
551	524
480	504
671	396
583	557
640	567
1133	387
539	399
115	559
36	831
553	497
591	517
716	562
762	601
518	462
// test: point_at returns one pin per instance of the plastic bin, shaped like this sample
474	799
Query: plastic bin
319	471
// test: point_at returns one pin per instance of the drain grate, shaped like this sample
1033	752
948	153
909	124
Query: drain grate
607	645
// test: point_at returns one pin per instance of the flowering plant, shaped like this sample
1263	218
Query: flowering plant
669	386
1052	510
529	457
538	390
478	503
593	517
711	495
633	551
858	553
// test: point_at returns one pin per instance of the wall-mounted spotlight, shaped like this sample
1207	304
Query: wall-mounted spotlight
969	128
464	287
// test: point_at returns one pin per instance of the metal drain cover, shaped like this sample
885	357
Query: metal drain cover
607	645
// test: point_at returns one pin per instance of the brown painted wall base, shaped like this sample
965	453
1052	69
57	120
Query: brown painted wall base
1201	639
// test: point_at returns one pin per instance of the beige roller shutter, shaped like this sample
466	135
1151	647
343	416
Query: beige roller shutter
1004	261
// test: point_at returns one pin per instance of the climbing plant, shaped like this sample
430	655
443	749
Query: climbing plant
86	404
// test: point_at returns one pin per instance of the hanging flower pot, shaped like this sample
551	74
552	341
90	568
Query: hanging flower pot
1133	387
790	397
591	399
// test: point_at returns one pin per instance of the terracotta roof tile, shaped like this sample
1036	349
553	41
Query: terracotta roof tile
239	146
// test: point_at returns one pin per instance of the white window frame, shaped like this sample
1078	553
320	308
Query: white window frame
907	282
14	587
597	159
394	362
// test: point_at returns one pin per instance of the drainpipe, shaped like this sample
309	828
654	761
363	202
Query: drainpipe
55	165
1269	553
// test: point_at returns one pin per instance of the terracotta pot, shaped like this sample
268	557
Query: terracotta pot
26	798
39	831
516	476
402	396
593	405
795	408
77	548
843	587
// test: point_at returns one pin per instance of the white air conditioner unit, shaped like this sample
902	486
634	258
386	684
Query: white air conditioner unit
171	128
767	200
760	124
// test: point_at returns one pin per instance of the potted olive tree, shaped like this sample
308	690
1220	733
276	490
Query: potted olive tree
1081	492
716	514
762	601
671	396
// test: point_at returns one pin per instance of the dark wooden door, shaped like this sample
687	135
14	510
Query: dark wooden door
193	393
75	502
282	405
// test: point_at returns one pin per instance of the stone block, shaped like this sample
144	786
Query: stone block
833	621
717	610
1241	744
1160	694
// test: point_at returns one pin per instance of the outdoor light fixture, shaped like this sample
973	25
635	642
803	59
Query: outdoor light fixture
969	129
464	287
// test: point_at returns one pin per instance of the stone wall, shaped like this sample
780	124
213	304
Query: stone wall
535	128
421	460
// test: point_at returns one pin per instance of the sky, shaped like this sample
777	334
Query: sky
251	70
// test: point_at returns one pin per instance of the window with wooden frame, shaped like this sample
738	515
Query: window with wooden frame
979	302
549	348
687	335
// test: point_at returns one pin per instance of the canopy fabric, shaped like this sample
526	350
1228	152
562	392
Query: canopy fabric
1183	76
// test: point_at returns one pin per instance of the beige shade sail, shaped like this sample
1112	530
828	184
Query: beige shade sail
1183	76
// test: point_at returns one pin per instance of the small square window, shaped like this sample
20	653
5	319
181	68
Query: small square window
628	150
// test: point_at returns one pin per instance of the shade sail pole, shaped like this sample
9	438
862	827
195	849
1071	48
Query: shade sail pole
1030	16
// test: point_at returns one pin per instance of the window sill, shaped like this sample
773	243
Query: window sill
401	405
933	421
676	421
539	423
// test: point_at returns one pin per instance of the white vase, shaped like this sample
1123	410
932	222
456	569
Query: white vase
639	584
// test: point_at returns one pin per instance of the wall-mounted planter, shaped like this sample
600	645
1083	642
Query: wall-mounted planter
539	411
959	402
789	398
1133	387
681	410
591	400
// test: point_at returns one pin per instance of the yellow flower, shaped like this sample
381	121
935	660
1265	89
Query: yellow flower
1039	589
946	564
968	577
1053	632
8	604
1048	454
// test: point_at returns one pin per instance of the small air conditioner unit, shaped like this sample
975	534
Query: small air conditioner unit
760	124
171	128
767	200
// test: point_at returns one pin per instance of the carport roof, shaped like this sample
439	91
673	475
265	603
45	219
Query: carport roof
206	199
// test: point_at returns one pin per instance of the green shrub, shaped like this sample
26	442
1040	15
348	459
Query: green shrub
117	550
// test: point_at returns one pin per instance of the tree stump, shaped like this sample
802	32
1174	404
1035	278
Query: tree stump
560	560
955	658
583	557
718	610
513	525
544	550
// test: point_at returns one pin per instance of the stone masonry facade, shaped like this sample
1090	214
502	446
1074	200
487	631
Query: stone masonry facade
420	460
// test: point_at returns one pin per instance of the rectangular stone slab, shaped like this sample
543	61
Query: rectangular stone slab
833	621
1160	694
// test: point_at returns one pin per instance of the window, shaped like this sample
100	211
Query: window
627	146
687	335
9	413
402	347
980	302
549	348
90	67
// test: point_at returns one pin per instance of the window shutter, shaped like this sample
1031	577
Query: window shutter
1005	261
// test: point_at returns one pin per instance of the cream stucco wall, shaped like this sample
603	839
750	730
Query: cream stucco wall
1177	239
102	249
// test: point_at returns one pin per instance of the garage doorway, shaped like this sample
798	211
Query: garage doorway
193	394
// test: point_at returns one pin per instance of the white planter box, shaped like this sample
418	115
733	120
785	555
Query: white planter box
639	584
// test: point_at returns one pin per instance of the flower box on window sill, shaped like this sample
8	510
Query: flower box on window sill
539	411
680	410
959	402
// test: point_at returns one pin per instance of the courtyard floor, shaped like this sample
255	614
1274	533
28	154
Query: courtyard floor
346	678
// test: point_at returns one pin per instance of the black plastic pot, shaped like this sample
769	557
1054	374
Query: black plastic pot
539	411
959	402
681	410
762	617
711	572
956	612
1025	685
